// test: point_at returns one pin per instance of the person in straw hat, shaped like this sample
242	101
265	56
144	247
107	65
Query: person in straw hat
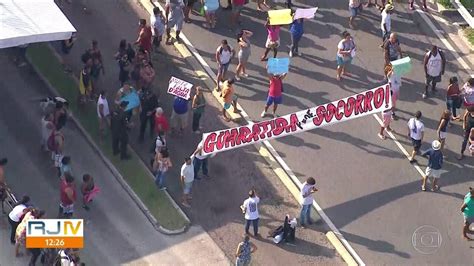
386	23
435	163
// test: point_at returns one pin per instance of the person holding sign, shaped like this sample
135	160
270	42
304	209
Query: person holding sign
345	51
296	30
275	93
273	40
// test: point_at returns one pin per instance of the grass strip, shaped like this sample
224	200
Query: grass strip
446	4
132	171
469	33
468	4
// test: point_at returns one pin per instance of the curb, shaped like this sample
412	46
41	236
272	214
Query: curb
265	149
109	165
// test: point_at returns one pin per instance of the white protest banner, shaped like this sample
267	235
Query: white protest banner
365	103
308	13
180	88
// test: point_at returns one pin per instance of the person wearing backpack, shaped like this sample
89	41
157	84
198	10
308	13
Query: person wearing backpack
434	64
224	55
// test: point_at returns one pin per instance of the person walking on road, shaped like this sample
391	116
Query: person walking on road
119	129
453	97
275	93
103	113
198	105
174	18
199	161
297	31
387	119
89	190
67	196
386	23
179	117
434	63
309	187
144	36
47	128
14	217
210	9
443	127
187	10
273	40
230	99
149	102
157	23
237	6
467	210
250	210
345	52
395	82
161	165
355	6
243	55
392	50
224	54
435	163
416	132
467	125
187	179
162	125
244	252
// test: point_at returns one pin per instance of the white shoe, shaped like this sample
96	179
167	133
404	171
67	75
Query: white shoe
237	78
245	75
291	53
300	54
262	115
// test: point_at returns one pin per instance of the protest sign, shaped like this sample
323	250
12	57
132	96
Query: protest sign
362	104
402	66
307	13
132	99
280	17
180	88
278	65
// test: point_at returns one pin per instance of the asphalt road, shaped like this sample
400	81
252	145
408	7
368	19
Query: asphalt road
116	231
367	187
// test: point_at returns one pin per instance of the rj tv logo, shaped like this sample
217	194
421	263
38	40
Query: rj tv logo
55	233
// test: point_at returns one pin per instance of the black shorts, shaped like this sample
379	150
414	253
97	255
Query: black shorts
190	3
430	79
416	143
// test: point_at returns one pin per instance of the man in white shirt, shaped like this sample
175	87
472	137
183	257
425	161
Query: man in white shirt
174	17
434	64
250	209
157	27
224	54
187	179
200	161
309	187
386	24
416	131
103	112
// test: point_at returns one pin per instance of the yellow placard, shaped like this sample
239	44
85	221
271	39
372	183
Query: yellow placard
280	17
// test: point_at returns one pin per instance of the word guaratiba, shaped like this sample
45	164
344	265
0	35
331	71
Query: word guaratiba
355	106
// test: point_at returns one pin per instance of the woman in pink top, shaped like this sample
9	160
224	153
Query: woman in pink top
274	93
273	40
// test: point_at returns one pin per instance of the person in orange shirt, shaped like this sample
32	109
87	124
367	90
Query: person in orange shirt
229	98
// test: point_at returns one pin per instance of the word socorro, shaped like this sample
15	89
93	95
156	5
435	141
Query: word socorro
55	233
180	88
355	106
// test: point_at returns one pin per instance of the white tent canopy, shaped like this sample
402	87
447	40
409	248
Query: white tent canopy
30	21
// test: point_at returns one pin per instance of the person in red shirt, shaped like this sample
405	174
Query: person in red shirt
144	36
161	122
274	93
67	196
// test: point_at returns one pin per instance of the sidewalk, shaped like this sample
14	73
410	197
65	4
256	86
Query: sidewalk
116	231
215	203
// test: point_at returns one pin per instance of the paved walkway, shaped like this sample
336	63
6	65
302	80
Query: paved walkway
116	231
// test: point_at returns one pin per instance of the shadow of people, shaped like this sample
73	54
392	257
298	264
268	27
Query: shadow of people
375	245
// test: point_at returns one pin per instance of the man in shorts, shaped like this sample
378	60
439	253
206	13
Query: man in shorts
434	63
230	99
416	132
187	179
179	116
174	18
467	210
435	162
355	7
275	93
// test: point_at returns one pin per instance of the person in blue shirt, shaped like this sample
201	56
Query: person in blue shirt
179	116
435	163
296	30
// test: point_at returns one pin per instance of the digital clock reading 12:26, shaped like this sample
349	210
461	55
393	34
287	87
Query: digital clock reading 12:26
54	242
